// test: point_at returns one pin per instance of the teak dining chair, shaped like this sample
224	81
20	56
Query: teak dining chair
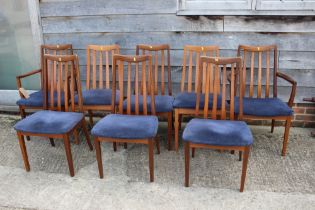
128	127
36	100
98	93
56	122
163	98
185	101
260	105
223	134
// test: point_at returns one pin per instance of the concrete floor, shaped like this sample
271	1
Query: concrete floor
273	182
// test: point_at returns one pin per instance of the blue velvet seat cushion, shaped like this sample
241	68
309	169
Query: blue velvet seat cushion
97	97
163	103
268	107
126	126
188	100
36	99
49	122
218	132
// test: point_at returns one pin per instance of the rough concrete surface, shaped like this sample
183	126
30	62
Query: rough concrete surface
273	182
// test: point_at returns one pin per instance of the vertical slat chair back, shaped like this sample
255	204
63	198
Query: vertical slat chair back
215	71
99	58
191	62
161	60
50	49
260	64
67	82
142	67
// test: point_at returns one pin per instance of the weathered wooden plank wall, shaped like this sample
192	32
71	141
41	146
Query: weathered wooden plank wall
131	22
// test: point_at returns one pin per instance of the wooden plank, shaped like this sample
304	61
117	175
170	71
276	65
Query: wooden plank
304	78
248	12
296	60
287	59
106	7
177	40
269	24
130	23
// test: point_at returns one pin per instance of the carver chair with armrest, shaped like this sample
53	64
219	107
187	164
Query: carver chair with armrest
185	101
56	121
136	127
263	73
35	100
223	133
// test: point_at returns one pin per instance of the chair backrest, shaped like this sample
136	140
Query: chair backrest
214	70
65	69
261	60
142	84
158	53
54	49
192	56
97	56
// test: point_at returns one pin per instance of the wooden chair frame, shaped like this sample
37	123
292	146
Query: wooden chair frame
45	49
156	49
63	76
190	50
242	50
91	76
211	68
145	85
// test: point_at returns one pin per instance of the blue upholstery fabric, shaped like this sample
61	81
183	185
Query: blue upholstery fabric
163	103
218	132
188	100
126	126
97	97
268	107
36	99
49	122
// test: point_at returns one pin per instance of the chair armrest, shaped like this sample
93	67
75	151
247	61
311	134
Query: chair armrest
293	89
20	77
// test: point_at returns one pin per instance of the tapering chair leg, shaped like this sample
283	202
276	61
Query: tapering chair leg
23	115
286	136
176	129
115	146
272	125
244	167
52	142
86	133
76	136
240	154
151	160
169	130
125	146
68	154
187	156
24	152
193	152
91	118
99	157
157	143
